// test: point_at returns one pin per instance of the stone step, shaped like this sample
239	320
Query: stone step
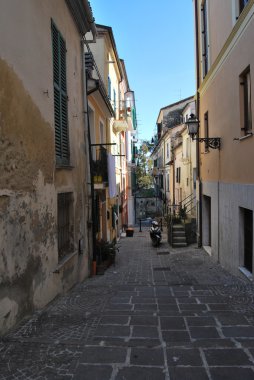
178	227
178	233
179	239
179	245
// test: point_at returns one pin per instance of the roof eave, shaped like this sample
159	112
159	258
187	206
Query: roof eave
83	16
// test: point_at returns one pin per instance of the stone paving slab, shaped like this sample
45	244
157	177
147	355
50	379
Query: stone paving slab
172	316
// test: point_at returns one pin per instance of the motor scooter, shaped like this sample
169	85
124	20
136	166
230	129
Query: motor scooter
155	233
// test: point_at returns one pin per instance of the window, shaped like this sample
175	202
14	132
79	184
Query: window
109	88
206	130
242	4
204	36
245	94
60	97
178	175
64	225
167	150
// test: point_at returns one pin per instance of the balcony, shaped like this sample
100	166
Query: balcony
125	122
120	126
100	168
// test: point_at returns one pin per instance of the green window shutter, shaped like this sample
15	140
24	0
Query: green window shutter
60	98
57	114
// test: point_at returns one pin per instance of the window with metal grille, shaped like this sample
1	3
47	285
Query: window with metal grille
60	97
64	225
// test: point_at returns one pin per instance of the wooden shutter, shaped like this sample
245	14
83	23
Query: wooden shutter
60	98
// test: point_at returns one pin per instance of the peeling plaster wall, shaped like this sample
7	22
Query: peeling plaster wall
30	272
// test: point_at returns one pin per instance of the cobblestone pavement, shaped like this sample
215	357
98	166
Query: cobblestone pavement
159	313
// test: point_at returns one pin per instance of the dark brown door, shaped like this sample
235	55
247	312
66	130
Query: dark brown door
248	239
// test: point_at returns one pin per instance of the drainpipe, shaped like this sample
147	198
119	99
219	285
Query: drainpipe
87	122
198	116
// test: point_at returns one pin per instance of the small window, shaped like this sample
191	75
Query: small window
64	224
245	102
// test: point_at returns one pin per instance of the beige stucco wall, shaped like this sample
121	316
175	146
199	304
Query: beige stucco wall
219	12
227	174
29	182
221	98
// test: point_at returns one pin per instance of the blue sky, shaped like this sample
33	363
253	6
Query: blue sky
156	41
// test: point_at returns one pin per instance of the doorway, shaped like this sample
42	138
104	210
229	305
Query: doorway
207	221
248	238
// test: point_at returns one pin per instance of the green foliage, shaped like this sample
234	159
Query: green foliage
144	166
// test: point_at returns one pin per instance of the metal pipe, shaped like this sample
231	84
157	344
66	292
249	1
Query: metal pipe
198	116
87	122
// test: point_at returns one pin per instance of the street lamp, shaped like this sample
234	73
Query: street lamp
193	126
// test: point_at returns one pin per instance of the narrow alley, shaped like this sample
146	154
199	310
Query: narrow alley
159	313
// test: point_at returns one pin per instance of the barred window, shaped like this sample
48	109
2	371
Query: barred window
64	224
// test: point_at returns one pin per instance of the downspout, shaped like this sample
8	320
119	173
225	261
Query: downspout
174	178
198	116
87	122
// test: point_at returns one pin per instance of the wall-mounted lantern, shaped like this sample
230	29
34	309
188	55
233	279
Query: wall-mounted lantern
193	127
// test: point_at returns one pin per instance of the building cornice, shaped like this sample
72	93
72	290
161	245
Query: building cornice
236	33
83	16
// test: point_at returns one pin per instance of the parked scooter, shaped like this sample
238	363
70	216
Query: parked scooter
155	234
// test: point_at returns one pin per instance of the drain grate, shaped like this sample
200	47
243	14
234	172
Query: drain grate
163	253
161	268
